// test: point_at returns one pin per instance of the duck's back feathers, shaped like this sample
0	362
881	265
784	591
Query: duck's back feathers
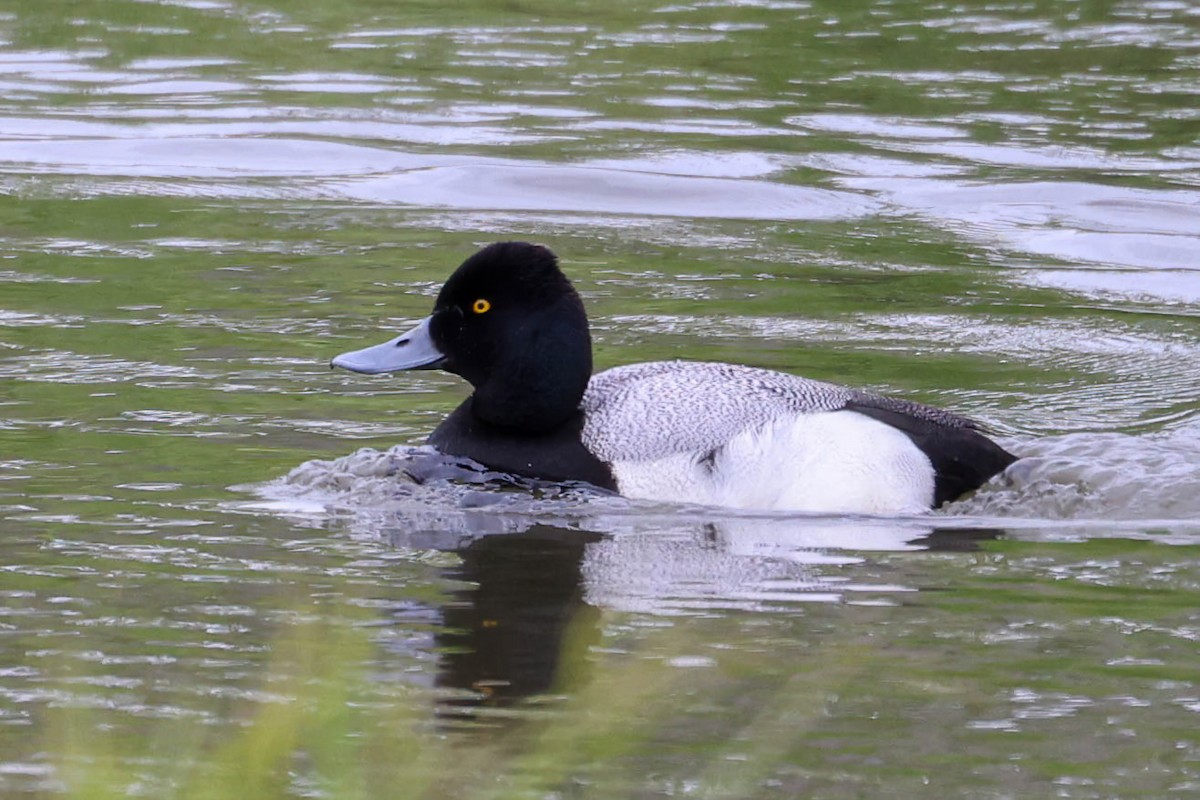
645	411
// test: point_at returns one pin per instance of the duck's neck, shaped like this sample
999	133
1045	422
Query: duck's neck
539	382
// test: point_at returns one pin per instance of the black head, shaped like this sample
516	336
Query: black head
511	323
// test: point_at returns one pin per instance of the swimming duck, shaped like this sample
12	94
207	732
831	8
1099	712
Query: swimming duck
510	322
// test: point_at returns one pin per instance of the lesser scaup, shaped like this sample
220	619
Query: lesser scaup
510	323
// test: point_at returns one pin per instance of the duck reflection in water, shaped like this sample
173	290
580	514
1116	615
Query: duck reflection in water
506	636
530	612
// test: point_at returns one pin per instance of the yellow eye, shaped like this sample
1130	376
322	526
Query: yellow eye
481	306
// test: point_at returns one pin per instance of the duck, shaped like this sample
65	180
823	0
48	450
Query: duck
510	323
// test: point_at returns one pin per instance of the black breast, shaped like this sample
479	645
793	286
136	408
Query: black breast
556	455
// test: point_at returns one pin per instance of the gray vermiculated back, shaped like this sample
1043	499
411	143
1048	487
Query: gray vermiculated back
647	411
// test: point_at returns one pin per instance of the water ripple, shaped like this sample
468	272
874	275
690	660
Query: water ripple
65	367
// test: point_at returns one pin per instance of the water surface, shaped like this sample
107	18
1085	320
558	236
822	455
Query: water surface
212	549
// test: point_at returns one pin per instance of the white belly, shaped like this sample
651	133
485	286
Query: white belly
829	462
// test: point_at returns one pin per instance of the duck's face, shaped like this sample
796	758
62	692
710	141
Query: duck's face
507	314
491	306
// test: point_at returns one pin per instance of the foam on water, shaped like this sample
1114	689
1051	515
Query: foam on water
1098	476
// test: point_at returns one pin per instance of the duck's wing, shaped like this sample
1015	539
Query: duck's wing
643	412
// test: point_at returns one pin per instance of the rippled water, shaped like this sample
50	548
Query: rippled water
987	206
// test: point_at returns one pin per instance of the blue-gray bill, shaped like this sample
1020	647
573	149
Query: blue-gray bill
412	350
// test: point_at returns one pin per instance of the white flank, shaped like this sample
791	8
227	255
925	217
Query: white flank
824	462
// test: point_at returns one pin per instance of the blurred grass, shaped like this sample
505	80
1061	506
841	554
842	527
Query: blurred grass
320	725
1000	683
